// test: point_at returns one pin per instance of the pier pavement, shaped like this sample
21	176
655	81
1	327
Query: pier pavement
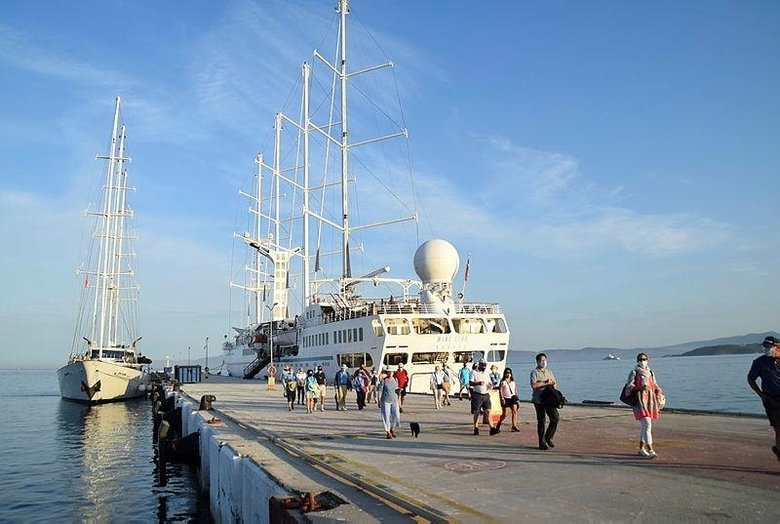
712	468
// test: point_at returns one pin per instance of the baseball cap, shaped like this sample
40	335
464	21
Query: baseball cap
771	341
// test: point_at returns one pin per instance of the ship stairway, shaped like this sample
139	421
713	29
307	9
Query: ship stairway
254	367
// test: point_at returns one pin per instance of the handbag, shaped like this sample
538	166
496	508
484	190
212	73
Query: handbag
661	400
632	398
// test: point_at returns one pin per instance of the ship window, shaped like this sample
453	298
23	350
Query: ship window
360	333
497	325
354	335
462	356
429	357
377	326
393	359
468	325
354	360
430	326
397	326
496	355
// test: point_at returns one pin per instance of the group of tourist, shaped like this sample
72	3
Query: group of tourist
387	389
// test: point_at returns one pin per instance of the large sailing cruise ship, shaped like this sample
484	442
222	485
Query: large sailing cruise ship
306	313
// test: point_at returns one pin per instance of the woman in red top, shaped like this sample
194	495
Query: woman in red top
642	380
403	378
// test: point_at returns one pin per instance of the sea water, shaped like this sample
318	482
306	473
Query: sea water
68	462
709	383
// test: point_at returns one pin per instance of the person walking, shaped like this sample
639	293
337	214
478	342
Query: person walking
495	376
373	383
510	401
300	376
290	386
767	368
389	411
642	381
480	397
464	375
343	383
322	387
446	385
360	385
402	377
312	391
437	386
541	377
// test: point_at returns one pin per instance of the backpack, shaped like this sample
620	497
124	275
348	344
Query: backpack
552	398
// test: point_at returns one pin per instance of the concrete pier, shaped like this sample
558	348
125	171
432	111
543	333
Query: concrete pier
713	468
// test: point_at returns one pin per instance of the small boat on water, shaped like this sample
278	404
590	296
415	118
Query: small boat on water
611	357
303	306
105	364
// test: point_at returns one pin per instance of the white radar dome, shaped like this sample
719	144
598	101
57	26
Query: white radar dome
436	261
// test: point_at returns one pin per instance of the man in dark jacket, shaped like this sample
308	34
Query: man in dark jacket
767	368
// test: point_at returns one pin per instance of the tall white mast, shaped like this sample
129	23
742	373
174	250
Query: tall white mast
343	9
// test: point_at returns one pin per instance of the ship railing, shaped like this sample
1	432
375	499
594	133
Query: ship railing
408	308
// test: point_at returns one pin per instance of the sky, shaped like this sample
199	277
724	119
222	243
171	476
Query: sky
611	168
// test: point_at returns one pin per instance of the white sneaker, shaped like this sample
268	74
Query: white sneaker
652	454
643	453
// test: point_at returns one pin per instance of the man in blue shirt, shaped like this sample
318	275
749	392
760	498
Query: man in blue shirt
767	368
343	382
464	375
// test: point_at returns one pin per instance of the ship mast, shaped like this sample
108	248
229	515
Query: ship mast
345	270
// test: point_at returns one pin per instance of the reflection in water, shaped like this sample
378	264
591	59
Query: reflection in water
109	455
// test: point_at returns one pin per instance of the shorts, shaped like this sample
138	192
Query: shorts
401	392
772	409
480	401
511	401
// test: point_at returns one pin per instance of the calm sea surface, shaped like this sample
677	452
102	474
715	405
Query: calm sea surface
67	462
713	383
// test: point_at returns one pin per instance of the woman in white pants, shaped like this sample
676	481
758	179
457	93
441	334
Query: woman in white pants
388	404
642	381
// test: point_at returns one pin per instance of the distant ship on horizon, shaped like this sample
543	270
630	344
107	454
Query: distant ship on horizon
611	357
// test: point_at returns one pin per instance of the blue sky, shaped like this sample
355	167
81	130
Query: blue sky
612	167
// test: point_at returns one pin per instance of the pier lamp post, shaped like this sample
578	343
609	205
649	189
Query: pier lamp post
271	331
207	352
189	348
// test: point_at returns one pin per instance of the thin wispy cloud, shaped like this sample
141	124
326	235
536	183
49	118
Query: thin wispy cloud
23	52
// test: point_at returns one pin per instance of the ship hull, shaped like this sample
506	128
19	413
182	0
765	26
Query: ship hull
96	381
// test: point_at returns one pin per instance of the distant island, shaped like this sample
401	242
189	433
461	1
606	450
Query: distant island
724	349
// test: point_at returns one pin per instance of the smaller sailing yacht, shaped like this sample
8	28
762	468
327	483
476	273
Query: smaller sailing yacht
104	364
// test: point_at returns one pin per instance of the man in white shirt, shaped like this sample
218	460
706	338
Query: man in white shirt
480	396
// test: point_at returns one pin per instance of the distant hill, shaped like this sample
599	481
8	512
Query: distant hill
685	348
723	349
